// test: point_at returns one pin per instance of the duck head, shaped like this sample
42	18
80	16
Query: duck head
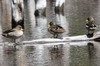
90	19
19	28
50	24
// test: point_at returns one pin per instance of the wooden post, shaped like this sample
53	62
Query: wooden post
29	18
6	15
0	21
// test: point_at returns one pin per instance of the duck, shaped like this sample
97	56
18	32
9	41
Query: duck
14	33
55	29
90	26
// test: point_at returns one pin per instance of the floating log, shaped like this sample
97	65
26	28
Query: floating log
79	38
63	40
73	40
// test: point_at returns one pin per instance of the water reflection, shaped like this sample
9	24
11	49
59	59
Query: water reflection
95	54
51	54
9	56
1	55
46	55
41	28
59	55
37	55
79	55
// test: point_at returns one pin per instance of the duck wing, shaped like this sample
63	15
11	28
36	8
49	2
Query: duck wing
58	29
8	31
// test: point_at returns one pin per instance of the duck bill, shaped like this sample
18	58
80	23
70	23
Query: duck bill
21	29
48	25
86	20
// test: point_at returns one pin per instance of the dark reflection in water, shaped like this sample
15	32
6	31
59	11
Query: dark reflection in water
41	28
1	55
56	54
79	56
46	55
52	54
67	54
95	54
9	56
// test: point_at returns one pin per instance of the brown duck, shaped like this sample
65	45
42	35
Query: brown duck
90	26
55	29
14	33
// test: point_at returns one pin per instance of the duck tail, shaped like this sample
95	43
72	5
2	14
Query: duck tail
5	35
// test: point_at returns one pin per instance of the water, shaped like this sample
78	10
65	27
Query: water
62	54
84	53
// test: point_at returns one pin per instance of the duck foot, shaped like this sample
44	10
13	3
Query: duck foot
90	35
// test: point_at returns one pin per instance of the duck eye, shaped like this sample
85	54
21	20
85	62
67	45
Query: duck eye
20	28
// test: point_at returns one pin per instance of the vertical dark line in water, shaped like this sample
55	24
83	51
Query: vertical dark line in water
9	56
79	56
30	55
91	52
56	55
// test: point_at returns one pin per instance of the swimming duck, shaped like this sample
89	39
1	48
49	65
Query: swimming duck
90	26
14	33
55	29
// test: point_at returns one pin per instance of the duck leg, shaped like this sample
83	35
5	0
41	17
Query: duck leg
55	35
14	40
88	31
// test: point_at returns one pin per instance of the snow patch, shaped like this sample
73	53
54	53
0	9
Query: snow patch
84	43
59	2
41	4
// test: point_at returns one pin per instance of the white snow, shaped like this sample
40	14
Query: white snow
80	37
83	43
59	2
41	4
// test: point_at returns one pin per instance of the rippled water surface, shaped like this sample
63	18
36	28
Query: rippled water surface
52	54
57	54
